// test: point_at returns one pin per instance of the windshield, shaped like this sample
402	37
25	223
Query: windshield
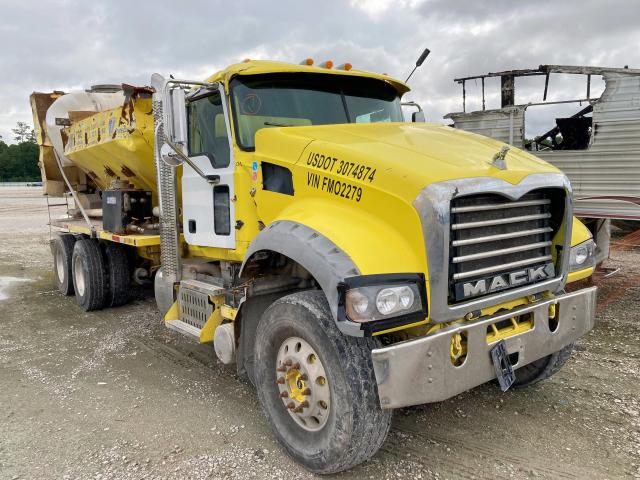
286	100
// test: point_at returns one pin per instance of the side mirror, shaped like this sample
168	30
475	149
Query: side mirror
418	117
178	117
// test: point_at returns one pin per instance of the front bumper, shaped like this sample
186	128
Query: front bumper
421	371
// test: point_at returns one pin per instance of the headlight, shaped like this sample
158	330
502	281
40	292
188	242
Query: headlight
582	256
365	303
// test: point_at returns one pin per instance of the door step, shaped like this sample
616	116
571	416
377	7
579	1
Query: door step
194	307
202	287
184	328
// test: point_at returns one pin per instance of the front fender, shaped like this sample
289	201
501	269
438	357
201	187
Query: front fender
328	264
339	245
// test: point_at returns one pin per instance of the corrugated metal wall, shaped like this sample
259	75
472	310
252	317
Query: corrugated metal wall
506	125
611	165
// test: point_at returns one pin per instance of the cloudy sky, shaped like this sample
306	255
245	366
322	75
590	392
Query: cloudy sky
72	44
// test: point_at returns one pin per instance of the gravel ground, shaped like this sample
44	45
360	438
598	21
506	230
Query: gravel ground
114	395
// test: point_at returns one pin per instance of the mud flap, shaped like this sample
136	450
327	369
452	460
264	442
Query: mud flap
502	365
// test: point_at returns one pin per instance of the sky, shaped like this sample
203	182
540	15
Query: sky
72	44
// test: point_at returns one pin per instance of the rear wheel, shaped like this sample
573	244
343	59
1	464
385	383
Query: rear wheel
62	249
118	274
543	368
89	275
317	386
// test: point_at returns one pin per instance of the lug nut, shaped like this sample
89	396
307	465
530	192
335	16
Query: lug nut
296	366
304	404
298	409
306	391
288	362
304	377
281	369
280	380
291	405
284	394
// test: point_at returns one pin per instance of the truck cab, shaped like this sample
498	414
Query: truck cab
347	261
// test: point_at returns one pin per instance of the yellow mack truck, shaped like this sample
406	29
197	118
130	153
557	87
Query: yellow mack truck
348	262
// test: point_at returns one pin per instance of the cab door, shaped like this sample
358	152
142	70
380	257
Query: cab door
207	208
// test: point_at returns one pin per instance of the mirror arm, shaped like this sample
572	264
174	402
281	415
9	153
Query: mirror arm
412	104
212	179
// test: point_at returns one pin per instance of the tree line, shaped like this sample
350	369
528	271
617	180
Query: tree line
19	161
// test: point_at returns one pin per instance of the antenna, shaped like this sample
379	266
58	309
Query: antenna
419	62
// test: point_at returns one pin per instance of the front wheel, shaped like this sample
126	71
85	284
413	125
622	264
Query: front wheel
317	386
543	368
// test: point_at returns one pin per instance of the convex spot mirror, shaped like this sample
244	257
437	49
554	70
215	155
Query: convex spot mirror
169	156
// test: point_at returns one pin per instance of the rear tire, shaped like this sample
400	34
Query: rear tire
89	274
118	274
62	250
543	368
350	426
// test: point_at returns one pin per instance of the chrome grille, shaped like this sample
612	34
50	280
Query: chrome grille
492	235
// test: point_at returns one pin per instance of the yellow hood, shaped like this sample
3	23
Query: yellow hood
407	156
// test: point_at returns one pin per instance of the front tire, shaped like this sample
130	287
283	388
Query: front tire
301	356
543	368
89	275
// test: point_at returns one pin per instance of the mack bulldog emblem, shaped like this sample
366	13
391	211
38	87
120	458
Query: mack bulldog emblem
503	281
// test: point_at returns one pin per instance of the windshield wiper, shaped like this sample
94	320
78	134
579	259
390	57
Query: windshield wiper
274	124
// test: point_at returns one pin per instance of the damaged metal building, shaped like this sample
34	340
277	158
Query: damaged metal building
598	147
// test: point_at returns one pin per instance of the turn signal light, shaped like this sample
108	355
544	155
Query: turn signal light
327	64
345	66
307	61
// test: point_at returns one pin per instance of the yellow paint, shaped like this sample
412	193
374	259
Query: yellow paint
229	313
143	243
257	67
214	320
296	384
579	232
116	143
509	330
458	349
217	253
173	313
133	240
403	327
580	274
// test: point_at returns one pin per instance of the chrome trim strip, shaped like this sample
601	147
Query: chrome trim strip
498	268
500	251
498	206
433	207
501	236
500	221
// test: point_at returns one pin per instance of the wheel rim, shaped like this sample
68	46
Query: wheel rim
60	270
78	276
302	384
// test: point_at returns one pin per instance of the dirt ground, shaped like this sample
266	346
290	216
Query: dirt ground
115	395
